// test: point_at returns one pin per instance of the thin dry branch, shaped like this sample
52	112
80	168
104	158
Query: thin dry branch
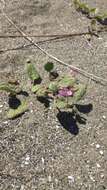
24	47
81	71
102	29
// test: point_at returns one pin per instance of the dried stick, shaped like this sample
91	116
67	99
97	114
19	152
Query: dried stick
28	45
81	71
102	29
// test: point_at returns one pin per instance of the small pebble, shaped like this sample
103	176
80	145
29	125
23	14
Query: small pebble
104	117
91	177
27	158
98	165
49	178
22	187
102	176
5	122
1	106
57	126
71	179
100	38
43	161
101	152
97	146
26	162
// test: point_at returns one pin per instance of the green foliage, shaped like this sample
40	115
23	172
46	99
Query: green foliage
69	102
53	86
32	72
42	92
101	17
60	103
65	91
13	113
66	81
81	6
12	89
52	90
91	12
78	95
35	88
49	66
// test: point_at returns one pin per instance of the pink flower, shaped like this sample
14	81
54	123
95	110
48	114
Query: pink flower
65	92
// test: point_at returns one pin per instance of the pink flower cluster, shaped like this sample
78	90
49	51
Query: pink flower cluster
65	92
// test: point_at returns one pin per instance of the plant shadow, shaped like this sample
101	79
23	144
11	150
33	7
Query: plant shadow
70	121
44	101
14	102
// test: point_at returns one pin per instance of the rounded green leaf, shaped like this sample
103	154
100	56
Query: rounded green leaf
35	88
12	89
32	72
53	86
78	95
41	92
67	81
60	103
49	66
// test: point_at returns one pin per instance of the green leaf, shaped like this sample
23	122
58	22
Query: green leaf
78	95
67	81
60	103
77	4
13	113
70	101
84	8
41	92
12	89
93	10
49	66
35	88
53	86
32	72
101	17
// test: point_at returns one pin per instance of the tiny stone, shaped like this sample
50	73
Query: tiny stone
71	179
92	144
26	162
100	38
57	126
102	175
49	178
104	117
97	146
22	187
101	152
5	122
32	137
27	158
56	181
98	165
43	160
28	61
22	165
91	177
1	106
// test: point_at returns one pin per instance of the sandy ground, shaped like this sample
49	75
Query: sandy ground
39	151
